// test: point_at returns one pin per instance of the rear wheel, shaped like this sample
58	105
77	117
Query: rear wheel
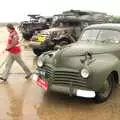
106	90
62	43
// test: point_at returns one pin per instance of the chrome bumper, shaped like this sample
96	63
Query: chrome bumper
73	91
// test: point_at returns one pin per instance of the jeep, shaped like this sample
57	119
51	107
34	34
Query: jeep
35	24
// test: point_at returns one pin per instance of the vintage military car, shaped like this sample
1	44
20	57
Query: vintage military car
88	68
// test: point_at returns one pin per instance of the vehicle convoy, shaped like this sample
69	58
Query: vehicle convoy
88	68
35	24
65	29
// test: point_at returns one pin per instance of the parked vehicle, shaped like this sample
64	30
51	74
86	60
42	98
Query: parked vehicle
87	68
65	29
35	24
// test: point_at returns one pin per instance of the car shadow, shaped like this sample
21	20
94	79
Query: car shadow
59	97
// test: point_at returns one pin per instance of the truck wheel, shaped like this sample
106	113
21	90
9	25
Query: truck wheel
106	91
62	43
27	36
36	51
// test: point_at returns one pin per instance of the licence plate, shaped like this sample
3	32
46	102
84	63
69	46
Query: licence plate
42	83
85	93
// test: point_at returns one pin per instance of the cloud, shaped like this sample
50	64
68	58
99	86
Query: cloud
17	10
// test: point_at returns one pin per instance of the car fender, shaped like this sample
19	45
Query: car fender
101	68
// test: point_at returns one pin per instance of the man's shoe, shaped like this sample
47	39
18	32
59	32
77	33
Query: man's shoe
1	78
28	76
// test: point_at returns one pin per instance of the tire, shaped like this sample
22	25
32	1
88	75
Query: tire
27	36
106	91
36	51
62	43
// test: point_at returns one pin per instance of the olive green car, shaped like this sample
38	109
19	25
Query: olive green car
88	68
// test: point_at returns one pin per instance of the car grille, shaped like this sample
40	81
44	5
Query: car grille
63	76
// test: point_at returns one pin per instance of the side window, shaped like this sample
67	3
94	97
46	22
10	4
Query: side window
109	35
90	35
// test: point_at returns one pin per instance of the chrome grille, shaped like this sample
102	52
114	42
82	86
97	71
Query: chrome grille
63	76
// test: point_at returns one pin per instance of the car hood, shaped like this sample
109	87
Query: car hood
79	48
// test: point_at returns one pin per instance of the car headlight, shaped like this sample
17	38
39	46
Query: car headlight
85	73
35	77
39	63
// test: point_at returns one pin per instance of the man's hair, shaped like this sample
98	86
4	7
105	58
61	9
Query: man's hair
10	26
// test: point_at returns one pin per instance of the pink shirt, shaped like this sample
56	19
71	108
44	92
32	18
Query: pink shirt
13	36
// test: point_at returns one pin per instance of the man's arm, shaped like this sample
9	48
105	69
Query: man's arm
14	42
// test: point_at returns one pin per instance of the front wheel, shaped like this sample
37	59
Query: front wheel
27	36
37	52
106	90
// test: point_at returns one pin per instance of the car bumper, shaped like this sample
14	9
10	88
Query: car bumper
70	90
73	91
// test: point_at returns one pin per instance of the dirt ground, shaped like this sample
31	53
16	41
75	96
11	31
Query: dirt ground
21	99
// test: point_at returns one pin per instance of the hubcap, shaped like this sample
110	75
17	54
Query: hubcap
105	91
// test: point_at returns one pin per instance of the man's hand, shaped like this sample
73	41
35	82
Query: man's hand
1	53
7	49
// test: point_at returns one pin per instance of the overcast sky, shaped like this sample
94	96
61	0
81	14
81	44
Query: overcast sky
17	10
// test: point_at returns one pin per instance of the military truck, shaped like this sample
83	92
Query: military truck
35	24
65	29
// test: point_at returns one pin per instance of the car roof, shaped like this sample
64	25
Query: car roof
112	26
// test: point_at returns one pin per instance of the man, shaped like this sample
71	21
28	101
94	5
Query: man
14	54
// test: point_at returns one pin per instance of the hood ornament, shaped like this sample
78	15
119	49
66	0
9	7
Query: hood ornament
88	55
88	58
